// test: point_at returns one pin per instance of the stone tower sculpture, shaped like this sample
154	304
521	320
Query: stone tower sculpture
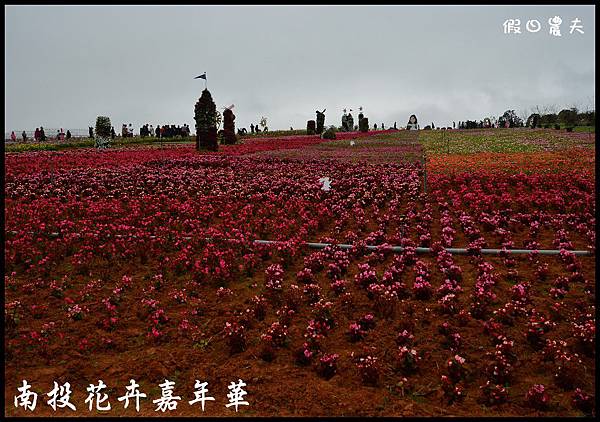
205	114
229	127
320	121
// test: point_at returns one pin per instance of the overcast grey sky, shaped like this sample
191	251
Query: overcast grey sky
65	65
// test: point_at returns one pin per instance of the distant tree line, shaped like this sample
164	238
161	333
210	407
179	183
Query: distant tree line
539	118
566	118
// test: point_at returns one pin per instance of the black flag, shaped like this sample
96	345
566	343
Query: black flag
201	76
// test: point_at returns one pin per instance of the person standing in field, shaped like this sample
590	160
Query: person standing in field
91	132
112	132
36	135
68	134
42	134
13	137
61	135
24	135
157	131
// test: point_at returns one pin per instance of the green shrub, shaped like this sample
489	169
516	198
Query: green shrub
103	126
329	133
549	119
533	121
568	117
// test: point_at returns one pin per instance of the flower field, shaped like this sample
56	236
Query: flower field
139	263
505	141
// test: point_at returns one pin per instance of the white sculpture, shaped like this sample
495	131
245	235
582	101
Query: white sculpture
326	183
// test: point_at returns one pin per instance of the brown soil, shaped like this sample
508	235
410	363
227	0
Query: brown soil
281	387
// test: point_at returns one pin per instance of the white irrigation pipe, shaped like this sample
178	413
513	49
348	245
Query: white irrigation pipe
458	251
395	249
